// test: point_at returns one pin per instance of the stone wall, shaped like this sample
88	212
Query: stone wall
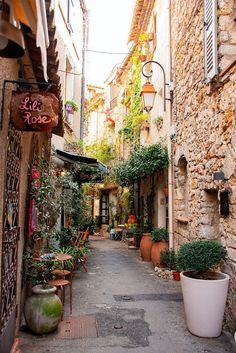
206	134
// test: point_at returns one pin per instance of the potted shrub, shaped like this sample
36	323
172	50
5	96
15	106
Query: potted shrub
204	289
168	259
71	106
43	309
160	239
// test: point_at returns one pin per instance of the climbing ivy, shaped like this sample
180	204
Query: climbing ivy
135	117
143	161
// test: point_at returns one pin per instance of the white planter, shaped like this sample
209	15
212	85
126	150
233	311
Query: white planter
204	303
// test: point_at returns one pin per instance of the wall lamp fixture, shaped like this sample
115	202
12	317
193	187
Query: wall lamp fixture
148	91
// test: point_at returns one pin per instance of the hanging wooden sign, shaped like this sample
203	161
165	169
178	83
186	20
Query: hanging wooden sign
34	111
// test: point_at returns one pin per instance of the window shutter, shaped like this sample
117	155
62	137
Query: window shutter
210	39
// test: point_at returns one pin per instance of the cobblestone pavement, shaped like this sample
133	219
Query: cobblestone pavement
119	306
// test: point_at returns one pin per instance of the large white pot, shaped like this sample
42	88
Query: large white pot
204	303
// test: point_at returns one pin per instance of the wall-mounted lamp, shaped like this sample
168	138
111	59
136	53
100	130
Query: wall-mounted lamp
148	92
11	38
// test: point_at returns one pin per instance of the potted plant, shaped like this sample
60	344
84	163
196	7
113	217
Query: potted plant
43	309
204	289
71	106
160	237
158	121
168	259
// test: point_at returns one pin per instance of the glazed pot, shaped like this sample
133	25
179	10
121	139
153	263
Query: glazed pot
157	247
43	310
145	247
204	303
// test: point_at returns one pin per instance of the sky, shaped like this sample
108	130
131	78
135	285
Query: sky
109	26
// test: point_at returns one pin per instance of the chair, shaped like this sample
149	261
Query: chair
61	284
81	238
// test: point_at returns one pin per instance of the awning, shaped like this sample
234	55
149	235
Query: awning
91	171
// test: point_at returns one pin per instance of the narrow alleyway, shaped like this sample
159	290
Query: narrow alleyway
121	306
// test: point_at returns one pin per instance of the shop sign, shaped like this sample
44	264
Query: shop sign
34	111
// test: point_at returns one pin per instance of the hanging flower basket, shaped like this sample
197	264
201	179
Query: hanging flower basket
71	106
110	122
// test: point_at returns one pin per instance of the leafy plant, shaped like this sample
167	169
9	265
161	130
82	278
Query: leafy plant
43	191
168	258
143	161
37	272
73	104
158	120
160	234
100	150
200	256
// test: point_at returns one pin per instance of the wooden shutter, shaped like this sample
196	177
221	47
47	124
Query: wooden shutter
210	39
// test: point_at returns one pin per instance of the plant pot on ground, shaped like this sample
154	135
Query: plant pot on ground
146	246
160	238
168	259
204	289
43	309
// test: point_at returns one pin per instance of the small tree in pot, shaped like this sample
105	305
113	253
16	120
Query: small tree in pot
204	288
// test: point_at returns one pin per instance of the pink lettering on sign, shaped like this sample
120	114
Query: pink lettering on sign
40	119
34	111
31	105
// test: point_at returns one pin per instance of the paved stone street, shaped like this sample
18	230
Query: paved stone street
120	306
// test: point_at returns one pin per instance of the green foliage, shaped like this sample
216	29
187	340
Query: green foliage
100	150
143	161
132	121
168	258
159	234
200	255
43	189
65	236
37	272
73	104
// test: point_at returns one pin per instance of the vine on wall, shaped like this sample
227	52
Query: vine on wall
143	161
134	119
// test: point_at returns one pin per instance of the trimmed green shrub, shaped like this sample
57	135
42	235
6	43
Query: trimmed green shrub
168	258
200	255
159	234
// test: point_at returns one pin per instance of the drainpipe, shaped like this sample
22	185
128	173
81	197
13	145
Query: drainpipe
85	39
169	142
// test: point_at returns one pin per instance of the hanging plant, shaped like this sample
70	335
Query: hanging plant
143	161
71	106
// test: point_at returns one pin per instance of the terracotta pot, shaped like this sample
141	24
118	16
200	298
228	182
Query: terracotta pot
176	275
157	247
145	246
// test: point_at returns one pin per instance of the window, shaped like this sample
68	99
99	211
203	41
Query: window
210	39
71	15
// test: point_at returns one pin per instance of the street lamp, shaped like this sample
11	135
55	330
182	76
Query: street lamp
148	92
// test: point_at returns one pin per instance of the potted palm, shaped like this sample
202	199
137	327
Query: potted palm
160	239
204	288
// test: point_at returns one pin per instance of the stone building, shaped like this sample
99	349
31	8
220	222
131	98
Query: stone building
48	56
203	52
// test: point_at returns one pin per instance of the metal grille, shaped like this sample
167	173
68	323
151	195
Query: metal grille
10	228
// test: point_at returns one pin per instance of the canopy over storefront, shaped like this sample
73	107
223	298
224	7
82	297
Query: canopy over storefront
90	169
